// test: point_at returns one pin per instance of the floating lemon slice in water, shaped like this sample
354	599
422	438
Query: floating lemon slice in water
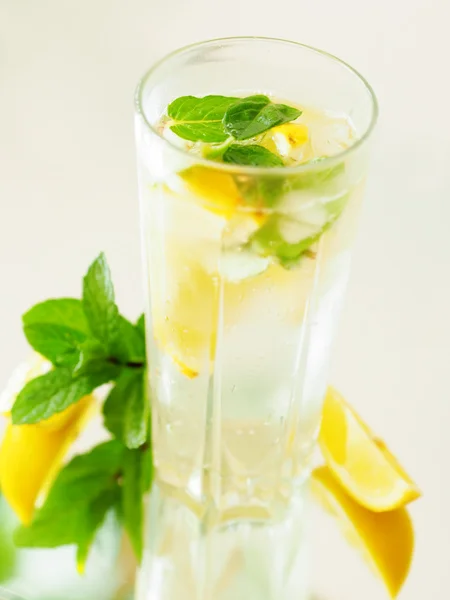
217	191
386	540
363	465
30	455
183	323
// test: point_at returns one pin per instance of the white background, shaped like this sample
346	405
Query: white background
68	69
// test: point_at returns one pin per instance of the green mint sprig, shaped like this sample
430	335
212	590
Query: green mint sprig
270	239
252	154
216	119
249	117
8	557
229	124
200	119
89	344
109	478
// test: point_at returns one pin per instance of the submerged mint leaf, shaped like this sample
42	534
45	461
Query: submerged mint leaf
251	155
200	119
271	239
254	115
262	192
53	392
317	177
99	302
288	240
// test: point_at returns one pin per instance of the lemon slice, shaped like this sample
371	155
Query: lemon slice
288	137
183	314
364	466
30	455
215	190
290	141
386	540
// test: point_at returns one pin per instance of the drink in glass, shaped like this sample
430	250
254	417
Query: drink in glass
247	256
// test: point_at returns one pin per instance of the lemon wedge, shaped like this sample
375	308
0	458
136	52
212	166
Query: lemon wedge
30	455
361	463
289	141
183	314
289	136
386	540
217	191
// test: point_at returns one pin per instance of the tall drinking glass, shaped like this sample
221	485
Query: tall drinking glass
243	301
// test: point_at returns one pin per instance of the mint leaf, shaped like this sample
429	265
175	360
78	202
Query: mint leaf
93	469
140	324
115	405
335	207
200	119
99	302
133	488
262	191
55	391
146	468
129	345
252	155
7	549
137	414
316	178
92	518
211	132
58	343
78	501
251	116
92	356
126	410
67	312
270	240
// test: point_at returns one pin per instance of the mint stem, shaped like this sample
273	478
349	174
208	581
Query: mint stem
131	364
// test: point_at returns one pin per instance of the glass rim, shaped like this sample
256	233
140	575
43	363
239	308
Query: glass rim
246	169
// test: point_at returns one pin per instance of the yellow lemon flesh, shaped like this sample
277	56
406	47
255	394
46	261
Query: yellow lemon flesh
182	316
289	141
216	190
362	464
385	539
185	310
31	454
295	134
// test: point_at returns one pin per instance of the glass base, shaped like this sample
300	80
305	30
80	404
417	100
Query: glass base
240	559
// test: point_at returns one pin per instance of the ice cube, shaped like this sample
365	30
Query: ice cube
239	264
294	232
330	134
239	230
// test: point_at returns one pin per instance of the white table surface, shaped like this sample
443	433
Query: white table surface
68	190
